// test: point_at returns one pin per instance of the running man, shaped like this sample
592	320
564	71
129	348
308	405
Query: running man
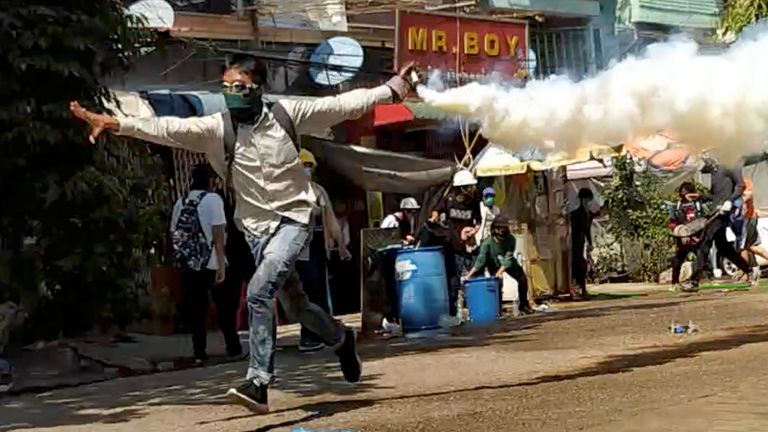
254	149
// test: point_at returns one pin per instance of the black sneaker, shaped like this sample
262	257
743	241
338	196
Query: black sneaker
350	363
251	396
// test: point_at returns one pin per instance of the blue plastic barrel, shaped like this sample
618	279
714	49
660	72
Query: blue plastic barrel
482	296
422	287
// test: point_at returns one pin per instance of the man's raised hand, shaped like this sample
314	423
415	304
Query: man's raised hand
97	122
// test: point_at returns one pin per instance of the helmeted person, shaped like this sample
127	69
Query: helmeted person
312	264
253	147
461	212
404	219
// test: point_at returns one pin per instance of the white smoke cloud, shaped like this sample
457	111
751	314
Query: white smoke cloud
708	101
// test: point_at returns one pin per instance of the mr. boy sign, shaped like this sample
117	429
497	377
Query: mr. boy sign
471	46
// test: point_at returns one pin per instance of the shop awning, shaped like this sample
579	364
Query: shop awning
496	160
379	170
389	114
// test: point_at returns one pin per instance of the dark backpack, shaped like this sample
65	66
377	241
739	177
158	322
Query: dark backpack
191	249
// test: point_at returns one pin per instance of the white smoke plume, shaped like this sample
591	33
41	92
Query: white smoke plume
715	102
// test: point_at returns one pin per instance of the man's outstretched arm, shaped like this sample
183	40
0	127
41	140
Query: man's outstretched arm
194	133
315	116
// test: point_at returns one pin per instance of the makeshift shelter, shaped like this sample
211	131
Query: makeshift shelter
530	192
381	171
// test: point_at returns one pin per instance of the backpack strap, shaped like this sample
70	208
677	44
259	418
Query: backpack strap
282	118
199	197
286	122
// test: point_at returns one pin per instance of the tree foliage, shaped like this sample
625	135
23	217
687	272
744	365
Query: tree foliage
638	215
76	220
738	14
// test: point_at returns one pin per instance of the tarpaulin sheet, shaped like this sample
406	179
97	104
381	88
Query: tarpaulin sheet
381	171
496	160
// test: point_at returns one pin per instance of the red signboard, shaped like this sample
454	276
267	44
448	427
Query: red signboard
468	46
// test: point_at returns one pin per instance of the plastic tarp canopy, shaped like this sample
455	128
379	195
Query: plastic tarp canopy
496	160
379	170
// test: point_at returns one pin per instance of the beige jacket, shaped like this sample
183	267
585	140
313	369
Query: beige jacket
267	175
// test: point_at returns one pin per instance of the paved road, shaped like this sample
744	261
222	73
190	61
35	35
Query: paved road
600	366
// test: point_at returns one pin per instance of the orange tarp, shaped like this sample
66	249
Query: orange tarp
661	151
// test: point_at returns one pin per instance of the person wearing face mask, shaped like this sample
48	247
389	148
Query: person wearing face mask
497	256
254	147
460	211
488	212
727	186
312	264
404	219
581	237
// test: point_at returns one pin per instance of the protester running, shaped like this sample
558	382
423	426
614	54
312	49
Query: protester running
727	186
255	149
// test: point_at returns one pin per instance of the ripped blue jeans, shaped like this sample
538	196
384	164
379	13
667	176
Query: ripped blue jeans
275	258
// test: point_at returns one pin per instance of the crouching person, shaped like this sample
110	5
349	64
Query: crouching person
497	256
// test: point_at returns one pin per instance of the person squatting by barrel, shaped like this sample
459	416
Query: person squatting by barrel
497	256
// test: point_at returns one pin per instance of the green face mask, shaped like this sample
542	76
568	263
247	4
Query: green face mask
489	201
244	107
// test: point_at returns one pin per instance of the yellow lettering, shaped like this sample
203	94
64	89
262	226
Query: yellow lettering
471	45
491	44
439	41
512	43
417	38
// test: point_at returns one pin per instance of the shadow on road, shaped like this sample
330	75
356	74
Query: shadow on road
612	365
127	399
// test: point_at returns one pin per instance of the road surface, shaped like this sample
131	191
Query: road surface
607	365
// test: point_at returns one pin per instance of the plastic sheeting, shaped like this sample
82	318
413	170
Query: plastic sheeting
381	171
495	160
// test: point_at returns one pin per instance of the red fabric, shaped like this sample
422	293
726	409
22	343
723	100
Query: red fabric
749	202
390	114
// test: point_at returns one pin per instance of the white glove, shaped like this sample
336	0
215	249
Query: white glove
727	207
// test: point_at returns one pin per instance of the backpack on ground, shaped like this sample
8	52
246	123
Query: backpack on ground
191	249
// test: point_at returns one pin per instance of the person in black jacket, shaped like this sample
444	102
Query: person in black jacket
727	187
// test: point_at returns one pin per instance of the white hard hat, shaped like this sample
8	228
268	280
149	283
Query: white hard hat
464	178
409	204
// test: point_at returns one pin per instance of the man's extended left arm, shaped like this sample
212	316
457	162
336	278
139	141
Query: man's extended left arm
316	116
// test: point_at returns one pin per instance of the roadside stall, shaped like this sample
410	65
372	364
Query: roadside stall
531	193
386	172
